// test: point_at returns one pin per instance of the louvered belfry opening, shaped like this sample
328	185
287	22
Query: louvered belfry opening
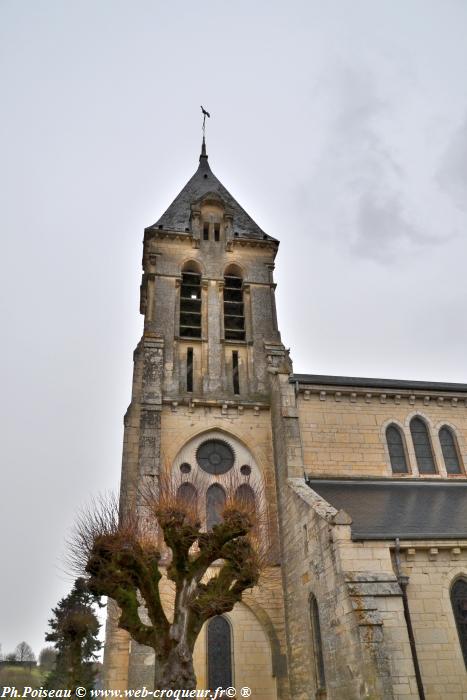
190	305
234	318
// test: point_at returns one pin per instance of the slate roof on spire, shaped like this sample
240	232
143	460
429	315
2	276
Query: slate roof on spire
177	216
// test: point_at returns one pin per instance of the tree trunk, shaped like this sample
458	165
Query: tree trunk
176	672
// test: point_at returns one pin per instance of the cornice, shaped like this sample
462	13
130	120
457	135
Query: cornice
355	389
364	394
150	233
225	407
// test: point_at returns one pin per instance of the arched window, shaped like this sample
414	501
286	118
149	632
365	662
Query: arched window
449	450
317	645
422	446
215	501
187	494
396	449
234	316
246	496
219	644
459	607
190	304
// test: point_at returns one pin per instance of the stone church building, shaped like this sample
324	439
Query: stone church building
365	484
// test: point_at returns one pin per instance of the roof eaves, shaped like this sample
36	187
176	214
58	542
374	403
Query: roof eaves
372	383
435	535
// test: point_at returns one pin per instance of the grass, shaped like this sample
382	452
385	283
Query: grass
18	677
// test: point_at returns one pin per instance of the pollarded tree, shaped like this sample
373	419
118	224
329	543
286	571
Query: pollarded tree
74	629
122	557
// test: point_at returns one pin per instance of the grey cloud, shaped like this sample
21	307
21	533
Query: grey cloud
101	133
382	228
452	173
358	170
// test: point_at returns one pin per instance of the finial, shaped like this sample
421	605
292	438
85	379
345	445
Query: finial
203	146
205	114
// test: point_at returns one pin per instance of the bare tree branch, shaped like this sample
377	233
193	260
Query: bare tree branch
122	556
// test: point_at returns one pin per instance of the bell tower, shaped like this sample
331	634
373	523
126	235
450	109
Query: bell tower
201	391
208	294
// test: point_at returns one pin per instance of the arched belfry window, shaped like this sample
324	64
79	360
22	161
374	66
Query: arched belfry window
422	446
234	315
317	646
450	450
396	449
219	643
459	607
215	501
190	304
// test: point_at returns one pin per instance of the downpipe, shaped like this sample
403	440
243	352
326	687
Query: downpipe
403	581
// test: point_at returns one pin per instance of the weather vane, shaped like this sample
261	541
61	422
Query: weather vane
205	114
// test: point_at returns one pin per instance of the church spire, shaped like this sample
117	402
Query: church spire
178	217
203	145
203	149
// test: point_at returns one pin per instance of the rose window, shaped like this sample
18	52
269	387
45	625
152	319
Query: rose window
215	457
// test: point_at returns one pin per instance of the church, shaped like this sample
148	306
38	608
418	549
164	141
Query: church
365	506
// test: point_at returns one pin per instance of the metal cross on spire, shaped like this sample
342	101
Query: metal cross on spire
205	114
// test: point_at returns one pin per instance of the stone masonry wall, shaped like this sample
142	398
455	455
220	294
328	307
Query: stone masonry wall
252	426
432	567
343	434
164	258
248	424
365	642
179	423
256	659
251	662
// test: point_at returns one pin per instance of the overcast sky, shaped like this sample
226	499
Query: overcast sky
341	127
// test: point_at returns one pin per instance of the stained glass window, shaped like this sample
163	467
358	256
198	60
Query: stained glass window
187	494
396	450
215	500
449	450
459	606
246	495
422	446
215	457
219	653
